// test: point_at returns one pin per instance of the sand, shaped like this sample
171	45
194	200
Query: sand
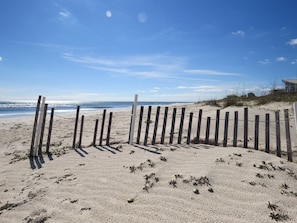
153	183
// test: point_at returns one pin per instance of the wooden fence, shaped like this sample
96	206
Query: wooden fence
163	127
188	129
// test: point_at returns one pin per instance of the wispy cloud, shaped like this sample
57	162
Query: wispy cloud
264	62
280	59
211	72
294	62
158	65
293	42
239	33
0	58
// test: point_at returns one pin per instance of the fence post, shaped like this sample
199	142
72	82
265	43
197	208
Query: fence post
288	136
109	129
42	129
277	131
295	114
226	129
164	125
139	125
267	133
235	129
207	130
217	127
256	137
95	132
133	120
199	125
102	127
156	125
172	126
148	121
75	127
180	132
245	128
81	131
39	128
35	126
50	131
190	128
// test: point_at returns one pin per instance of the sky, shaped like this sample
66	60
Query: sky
161	50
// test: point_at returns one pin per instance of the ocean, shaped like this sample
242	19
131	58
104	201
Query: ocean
19	109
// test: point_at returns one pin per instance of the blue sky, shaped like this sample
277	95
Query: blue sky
162	50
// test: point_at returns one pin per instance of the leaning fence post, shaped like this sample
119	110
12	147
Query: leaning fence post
156	125
50	131
256	137
226	129
164	125
95	132
267	133
102	127
109	129
199	126
190	128
180	132
81	131
288	136
39	128
277	131
148	121
172	126
75	127
35	125
207	130
42	129
139	125
235	129
217	128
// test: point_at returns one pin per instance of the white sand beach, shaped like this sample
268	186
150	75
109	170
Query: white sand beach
154	183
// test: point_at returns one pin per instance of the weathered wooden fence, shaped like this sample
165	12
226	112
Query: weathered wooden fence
193	131
163	127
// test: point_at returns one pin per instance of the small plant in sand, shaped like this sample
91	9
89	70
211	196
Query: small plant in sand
271	206
178	176
162	158
220	160
150	181
285	186
210	190
238	164
237	154
173	183
276	213
259	175
150	163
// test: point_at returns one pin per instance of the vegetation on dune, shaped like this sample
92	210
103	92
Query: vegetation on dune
251	99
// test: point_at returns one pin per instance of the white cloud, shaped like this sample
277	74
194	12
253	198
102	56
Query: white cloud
64	14
0	58
108	14
294	62
211	72
293	42
281	59
265	61
142	17
238	33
